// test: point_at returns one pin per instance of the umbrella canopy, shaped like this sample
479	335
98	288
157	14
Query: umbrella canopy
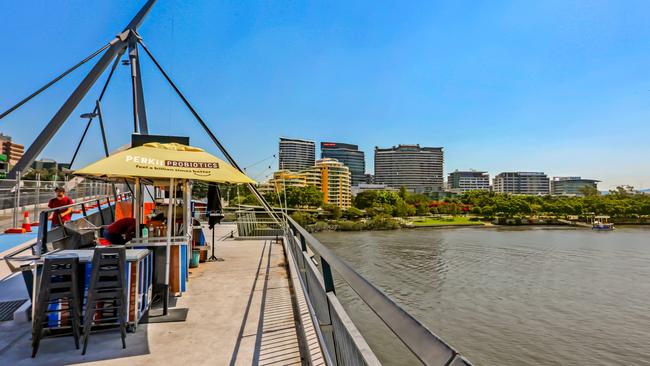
164	161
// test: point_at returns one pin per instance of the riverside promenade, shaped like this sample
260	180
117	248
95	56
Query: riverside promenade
240	313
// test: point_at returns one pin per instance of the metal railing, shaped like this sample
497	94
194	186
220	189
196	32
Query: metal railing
96	211
340	340
257	223
20	195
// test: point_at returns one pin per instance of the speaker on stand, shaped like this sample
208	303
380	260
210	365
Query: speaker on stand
215	214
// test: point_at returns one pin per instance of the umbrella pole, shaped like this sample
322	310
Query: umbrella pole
169	243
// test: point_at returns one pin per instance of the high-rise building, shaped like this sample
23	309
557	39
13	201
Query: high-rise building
333	179
329	175
571	186
12	150
418	169
296	155
469	180
349	155
535	183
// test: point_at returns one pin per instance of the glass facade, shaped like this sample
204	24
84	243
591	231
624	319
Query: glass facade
349	155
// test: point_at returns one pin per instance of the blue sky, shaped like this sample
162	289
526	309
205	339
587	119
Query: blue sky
555	86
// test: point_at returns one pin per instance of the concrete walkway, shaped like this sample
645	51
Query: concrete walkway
240	313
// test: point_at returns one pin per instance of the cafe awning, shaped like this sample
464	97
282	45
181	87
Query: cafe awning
165	161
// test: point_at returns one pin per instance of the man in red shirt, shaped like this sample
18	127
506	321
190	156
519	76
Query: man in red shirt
121	231
65	214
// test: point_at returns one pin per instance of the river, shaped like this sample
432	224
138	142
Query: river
509	296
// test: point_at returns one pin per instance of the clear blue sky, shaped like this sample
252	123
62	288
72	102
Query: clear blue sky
555	86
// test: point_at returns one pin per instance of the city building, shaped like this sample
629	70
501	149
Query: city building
4	166
63	166
44	164
363	187
349	155
329	175
535	183
571	186
418	169
369	179
333	179
296	155
282	179
12	150
469	180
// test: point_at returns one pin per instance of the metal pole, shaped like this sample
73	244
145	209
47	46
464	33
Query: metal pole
139	111
169	244
38	196
134	89
101	125
16	200
136	207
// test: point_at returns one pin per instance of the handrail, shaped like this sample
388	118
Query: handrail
312	313
429	348
44	216
37	246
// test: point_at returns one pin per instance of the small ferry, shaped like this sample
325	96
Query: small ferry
602	223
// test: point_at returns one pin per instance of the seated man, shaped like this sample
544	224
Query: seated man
121	231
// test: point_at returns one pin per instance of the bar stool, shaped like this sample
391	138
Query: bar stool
106	301
57	294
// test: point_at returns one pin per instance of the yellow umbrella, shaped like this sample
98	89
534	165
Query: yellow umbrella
164	161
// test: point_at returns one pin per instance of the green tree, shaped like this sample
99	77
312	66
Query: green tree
334	211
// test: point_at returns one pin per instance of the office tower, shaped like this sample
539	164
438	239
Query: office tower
419	169
296	154
571	186
349	155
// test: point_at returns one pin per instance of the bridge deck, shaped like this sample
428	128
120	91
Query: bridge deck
240	312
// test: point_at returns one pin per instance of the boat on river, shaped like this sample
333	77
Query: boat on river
601	223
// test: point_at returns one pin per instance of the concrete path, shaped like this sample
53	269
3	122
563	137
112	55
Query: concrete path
240	313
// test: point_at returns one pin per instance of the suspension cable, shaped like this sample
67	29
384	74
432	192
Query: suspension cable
207	130
53	81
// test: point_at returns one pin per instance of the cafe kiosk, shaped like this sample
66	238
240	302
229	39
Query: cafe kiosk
163	175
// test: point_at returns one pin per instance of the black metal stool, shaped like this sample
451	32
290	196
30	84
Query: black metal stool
58	287
106	301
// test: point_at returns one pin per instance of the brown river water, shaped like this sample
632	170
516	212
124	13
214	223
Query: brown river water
509	296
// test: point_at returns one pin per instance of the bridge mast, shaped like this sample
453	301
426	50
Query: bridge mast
128	38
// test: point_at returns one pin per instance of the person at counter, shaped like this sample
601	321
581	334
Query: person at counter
121	231
64	214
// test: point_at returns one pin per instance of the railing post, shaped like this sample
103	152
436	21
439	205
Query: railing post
38	195
328	280
83	210
42	233
110	208
101	214
303	243
16	200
